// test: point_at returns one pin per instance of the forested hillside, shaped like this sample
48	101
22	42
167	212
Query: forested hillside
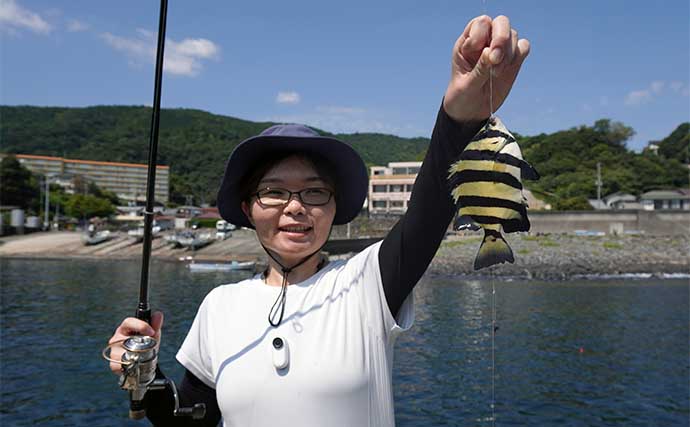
195	144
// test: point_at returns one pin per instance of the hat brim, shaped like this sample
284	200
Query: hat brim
350	173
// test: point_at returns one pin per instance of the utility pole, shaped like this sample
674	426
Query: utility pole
46	222
599	183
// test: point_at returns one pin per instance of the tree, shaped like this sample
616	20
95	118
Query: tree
18	187
87	206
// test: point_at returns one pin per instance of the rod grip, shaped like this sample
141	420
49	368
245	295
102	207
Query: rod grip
143	314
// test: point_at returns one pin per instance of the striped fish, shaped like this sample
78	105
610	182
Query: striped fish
486	183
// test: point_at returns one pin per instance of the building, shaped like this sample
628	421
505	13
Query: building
126	180
390	187
666	199
616	201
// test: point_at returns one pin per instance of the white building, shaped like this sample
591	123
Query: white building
390	187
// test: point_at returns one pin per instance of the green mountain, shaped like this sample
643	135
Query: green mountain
567	161
195	144
677	144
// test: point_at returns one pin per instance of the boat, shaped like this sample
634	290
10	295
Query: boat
224	229
228	266
138	233
195	241
94	238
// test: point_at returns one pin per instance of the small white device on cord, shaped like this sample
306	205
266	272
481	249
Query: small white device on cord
281	353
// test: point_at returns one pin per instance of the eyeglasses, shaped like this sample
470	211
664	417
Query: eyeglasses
281	196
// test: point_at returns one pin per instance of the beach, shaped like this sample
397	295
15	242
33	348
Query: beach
550	256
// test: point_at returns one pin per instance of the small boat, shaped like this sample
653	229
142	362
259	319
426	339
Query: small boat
94	238
195	241
231	266
138	233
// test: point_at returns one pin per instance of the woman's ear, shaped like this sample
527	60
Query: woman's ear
247	212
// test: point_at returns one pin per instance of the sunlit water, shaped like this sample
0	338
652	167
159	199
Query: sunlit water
585	353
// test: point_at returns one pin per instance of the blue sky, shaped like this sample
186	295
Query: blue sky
351	66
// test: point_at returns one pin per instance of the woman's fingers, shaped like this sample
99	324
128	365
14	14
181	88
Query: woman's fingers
129	327
477	36
500	41
134	326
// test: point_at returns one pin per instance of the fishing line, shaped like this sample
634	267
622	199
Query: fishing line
493	282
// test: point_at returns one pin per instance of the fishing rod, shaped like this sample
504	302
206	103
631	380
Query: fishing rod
140	358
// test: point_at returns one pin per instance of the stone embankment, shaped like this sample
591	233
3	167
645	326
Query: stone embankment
562	256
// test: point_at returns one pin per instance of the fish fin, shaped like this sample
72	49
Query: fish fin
528	172
493	250
465	222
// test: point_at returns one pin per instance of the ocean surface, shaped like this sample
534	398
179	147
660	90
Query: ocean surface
576	353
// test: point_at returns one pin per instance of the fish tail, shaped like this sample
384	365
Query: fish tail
493	250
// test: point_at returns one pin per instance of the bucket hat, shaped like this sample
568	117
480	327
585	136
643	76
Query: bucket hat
350	172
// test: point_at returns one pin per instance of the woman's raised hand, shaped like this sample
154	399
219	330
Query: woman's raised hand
486	46
133	326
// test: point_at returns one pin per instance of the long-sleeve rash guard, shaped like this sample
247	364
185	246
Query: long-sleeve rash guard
405	254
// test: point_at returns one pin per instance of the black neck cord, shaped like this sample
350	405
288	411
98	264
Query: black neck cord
280	301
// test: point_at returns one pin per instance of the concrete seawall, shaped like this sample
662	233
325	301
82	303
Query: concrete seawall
672	222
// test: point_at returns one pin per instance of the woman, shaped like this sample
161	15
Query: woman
309	342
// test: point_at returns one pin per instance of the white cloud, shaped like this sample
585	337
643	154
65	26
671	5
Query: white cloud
75	26
14	17
181	58
676	86
638	97
290	97
339	119
340	110
656	87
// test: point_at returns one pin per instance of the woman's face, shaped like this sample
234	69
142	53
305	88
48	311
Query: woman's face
295	229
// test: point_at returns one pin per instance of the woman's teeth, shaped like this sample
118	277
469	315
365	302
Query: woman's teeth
295	229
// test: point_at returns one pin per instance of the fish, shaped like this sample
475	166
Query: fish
486	185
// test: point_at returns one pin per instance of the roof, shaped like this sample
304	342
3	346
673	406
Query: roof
674	194
89	162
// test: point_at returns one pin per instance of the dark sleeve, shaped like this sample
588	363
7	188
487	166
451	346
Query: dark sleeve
409	247
160	403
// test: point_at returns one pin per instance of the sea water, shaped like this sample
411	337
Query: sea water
573	353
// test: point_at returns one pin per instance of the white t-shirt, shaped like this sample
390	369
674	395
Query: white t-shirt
340	335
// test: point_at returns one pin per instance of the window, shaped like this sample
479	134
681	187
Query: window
399	171
397	188
408	187
378	204
397	203
675	204
414	170
380	189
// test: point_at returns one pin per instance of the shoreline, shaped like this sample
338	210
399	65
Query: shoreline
543	257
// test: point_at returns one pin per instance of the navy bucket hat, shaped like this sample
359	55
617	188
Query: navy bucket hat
350	173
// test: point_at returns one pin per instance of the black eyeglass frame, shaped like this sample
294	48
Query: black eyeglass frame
290	193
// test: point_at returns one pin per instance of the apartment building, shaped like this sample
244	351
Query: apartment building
127	180
390	187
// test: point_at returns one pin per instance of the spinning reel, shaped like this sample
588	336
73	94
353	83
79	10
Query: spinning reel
139	376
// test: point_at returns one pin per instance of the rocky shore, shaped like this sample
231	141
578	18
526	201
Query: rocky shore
552	256
562	256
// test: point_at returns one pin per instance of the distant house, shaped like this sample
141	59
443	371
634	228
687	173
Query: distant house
666	199
209	213
615	201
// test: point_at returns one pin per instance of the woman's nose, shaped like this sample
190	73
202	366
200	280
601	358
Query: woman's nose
294	204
